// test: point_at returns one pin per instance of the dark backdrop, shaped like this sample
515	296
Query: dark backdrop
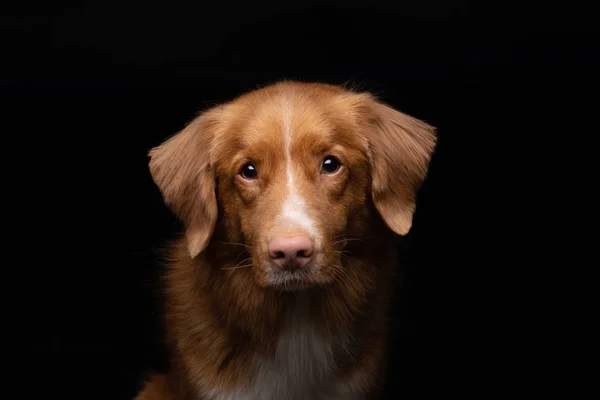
494	296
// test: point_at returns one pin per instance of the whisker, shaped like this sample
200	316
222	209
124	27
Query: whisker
340	278
238	264
362	240
236	244
237	267
340	275
238	256
344	257
349	236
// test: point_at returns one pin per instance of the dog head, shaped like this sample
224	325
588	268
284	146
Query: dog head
293	172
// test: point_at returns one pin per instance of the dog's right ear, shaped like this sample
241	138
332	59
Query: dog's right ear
181	169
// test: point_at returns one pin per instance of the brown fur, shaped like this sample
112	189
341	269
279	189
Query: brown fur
221	317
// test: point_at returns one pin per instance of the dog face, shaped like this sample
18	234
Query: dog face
291	172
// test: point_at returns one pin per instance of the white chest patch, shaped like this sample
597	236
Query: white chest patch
300	369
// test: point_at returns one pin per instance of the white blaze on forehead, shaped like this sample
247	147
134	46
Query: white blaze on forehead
294	207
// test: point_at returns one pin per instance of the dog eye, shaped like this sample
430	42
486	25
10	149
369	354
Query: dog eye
249	172
330	165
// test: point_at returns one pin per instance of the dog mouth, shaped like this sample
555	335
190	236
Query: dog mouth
291	281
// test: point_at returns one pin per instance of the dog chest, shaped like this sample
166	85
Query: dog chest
301	368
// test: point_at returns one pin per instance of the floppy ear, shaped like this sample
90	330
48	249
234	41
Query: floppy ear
180	168
401	147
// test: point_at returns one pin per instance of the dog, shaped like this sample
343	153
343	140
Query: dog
292	197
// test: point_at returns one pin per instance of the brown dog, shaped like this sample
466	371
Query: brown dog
292	197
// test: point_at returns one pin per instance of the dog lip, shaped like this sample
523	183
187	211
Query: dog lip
293	287
292	280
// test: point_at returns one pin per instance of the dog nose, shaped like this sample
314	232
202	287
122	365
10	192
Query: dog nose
290	252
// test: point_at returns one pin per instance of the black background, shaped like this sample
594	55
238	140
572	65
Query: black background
495	296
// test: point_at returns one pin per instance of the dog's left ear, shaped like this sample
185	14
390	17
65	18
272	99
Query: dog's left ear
181	169
401	147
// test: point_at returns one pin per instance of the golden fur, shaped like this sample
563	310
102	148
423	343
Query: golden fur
233	331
